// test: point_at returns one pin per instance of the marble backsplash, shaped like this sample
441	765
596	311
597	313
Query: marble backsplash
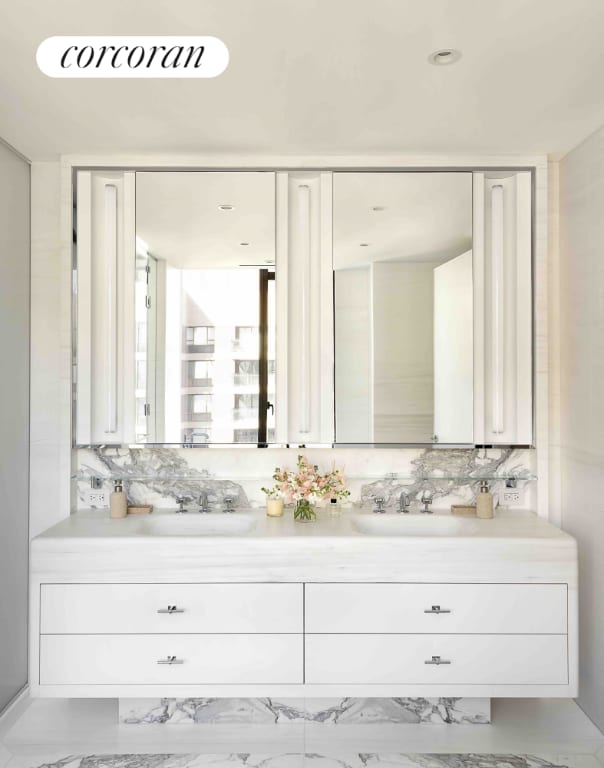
160	475
345	711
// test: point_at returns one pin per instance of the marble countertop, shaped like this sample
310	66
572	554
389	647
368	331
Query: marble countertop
515	545
255	524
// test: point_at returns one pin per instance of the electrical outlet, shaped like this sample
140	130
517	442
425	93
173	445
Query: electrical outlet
512	497
97	498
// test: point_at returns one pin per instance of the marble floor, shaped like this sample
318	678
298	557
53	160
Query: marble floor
61	733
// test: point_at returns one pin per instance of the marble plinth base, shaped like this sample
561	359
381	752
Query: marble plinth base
437	711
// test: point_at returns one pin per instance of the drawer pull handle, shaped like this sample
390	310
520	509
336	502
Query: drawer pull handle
170	660
171	609
437	661
437	609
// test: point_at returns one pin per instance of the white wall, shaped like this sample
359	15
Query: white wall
47	416
581	368
14	421
353	361
403	341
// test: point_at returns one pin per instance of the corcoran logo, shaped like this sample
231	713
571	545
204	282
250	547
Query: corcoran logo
100	56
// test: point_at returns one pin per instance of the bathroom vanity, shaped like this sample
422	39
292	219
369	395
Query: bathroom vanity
303	307
361	605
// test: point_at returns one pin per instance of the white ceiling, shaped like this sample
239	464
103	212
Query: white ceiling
316	77
427	217
178	217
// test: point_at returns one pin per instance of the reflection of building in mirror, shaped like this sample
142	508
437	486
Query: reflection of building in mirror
209	357
206	322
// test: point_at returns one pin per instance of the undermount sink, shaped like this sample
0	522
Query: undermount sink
412	525
196	524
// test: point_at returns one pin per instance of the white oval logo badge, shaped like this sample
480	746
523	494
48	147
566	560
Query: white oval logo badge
125	56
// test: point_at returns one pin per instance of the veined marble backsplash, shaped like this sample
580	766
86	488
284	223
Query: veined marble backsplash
160	475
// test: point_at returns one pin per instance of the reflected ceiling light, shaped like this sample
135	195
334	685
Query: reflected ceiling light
225	207
444	56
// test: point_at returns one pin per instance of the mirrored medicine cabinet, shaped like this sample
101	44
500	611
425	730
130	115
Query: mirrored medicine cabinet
307	307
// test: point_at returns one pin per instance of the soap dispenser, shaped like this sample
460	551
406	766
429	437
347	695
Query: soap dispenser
118	503
484	502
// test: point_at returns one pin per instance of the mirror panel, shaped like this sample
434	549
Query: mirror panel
205	307
402	253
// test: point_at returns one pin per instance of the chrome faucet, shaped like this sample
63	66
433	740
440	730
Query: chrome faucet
426	501
404	502
379	505
181	505
229	504
203	502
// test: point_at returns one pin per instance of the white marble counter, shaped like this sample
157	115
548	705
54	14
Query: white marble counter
515	545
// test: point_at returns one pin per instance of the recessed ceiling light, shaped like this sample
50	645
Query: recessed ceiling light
226	207
243	243
444	56
378	207
364	245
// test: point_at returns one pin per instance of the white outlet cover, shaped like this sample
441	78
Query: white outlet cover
96	498
512	497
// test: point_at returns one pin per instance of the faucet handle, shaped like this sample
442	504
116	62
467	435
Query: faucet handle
379	504
181	505
229	504
404	502
427	501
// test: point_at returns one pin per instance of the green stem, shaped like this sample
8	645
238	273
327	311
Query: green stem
304	510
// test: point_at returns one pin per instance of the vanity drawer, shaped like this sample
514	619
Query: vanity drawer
393	659
143	608
427	608
133	659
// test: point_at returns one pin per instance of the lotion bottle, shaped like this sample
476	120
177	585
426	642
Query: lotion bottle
118	503
484	502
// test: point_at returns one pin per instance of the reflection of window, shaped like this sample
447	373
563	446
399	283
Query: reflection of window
141	374
247	366
247	401
247	372
246	406
141	337
245	436
199	338
197	408
196	436
246	335
199	373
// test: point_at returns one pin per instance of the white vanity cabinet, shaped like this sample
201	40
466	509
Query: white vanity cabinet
363	639
431	634
160	634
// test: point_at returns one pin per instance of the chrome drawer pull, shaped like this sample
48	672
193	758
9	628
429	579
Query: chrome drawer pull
437	661
170	660
171	609
437	609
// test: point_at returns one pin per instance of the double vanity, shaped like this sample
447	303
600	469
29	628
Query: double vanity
335	308
359	605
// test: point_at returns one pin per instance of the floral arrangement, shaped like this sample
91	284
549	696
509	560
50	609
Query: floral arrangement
306	487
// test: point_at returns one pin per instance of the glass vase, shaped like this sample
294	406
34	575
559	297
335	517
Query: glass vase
304	512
